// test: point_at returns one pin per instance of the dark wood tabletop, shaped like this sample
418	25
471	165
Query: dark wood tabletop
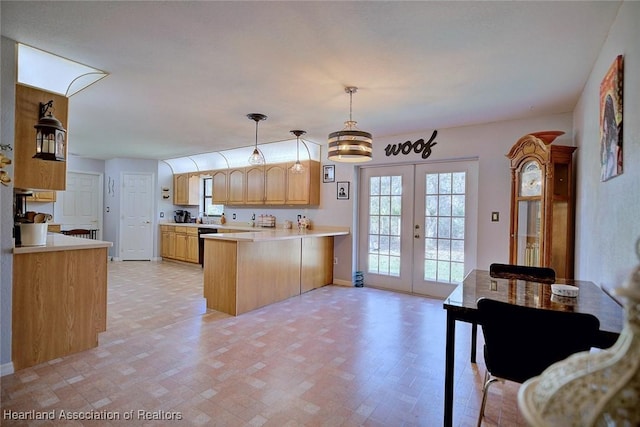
591	298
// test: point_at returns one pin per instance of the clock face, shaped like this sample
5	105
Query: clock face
531	180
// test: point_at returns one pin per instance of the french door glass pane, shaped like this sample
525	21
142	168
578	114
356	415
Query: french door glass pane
385	212
444	226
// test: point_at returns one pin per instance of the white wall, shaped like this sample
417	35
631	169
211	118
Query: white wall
8	78
608	213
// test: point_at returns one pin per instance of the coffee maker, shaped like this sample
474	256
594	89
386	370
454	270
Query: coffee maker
182	216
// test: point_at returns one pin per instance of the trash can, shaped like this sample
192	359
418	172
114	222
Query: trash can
358	279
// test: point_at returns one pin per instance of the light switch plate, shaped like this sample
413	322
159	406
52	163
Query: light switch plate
495	216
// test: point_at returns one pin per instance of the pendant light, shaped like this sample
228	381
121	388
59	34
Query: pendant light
297	167
256	158
350	145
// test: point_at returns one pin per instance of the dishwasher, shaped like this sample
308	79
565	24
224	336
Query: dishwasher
202	231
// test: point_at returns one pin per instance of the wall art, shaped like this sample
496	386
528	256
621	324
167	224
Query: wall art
328	173
343	190
611	121
419	146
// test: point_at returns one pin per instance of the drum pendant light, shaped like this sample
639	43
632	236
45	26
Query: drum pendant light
350	145
256	158
297	167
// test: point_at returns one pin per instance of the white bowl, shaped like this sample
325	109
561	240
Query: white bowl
564	290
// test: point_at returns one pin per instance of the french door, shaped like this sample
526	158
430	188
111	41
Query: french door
417	229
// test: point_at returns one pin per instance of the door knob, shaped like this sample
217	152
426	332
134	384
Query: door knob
417	227
417	236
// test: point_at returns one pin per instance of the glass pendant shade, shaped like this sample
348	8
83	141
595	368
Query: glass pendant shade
297	167
256	158
350	145
50	135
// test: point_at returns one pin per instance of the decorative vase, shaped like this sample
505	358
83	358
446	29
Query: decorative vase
592	389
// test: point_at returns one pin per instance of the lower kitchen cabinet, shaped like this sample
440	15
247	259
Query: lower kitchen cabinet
179	243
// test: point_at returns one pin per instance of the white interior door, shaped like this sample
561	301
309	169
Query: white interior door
81	203
136	232
418	228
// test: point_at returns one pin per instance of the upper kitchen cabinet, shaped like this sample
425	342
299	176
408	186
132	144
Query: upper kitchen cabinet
219	187
304	188
275	184
186	189
542	204
30	173
254	185
236	178
42	196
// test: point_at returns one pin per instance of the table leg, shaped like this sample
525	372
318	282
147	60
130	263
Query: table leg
474	340
448	370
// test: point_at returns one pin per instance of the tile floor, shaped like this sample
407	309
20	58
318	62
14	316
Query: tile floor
336	356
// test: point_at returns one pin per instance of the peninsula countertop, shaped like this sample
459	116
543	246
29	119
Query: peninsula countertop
256	234
60	242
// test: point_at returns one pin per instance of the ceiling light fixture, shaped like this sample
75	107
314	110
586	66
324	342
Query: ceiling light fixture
50	135
297	167
350	145
256	158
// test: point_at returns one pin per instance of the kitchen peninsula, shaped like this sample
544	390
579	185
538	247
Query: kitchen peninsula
248	270
59	298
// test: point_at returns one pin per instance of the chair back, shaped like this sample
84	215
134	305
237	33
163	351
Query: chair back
80	232
521	342
523	272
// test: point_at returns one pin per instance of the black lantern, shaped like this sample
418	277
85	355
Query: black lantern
50	135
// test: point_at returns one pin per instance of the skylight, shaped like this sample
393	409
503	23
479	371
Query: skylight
53	73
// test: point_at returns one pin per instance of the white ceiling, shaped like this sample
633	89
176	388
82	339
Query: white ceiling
183	75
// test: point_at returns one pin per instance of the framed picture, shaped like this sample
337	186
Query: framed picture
328	173
343	190
611	121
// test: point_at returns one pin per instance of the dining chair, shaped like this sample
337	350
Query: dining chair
80	232
516	272
521	342
523	272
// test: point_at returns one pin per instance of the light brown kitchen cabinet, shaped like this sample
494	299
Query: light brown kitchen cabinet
179	243
219	186
186	189
30	173
236	178
254	185
542	204
304	188
42	196
168	242
192	246
275	177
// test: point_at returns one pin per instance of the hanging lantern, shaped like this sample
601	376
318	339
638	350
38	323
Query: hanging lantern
50	135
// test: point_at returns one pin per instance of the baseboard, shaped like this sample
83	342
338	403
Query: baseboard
6	369
340	282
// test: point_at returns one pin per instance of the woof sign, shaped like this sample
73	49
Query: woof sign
419	146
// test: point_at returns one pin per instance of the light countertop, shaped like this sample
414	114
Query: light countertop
255	234
60	242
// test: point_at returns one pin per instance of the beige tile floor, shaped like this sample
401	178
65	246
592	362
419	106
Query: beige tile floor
336	356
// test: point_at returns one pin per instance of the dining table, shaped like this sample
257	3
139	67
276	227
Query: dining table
461	306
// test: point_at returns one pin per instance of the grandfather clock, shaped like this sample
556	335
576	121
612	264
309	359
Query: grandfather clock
542	203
